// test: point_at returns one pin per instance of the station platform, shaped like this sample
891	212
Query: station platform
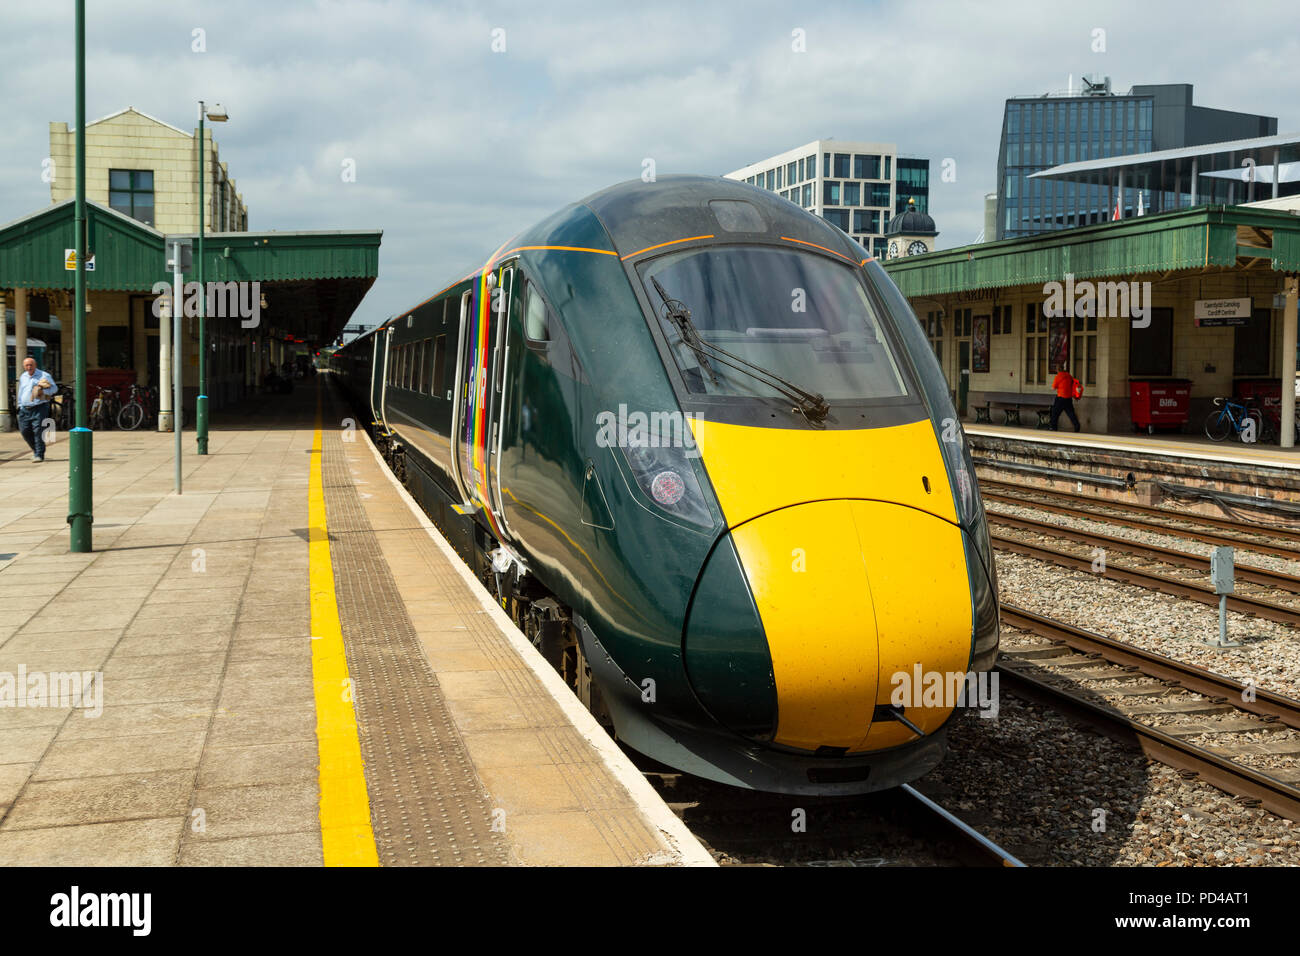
284	665
1173	445
1202	476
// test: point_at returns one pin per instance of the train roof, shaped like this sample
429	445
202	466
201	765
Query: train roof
641	216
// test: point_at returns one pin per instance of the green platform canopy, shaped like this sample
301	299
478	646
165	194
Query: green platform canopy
313	281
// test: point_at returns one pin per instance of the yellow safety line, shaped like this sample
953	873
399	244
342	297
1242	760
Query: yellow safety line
347	838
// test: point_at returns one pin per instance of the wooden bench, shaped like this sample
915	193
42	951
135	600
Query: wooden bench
1011	403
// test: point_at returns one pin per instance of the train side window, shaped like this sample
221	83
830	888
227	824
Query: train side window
427	365
536	318
440	366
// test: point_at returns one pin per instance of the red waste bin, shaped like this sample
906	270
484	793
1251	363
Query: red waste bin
1159	404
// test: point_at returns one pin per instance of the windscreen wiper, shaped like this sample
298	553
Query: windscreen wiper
810	404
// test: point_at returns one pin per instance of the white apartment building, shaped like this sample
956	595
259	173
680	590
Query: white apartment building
856	186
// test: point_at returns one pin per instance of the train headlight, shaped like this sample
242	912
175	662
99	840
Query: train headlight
667	488
666	476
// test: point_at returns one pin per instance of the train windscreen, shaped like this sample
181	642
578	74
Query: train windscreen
796	315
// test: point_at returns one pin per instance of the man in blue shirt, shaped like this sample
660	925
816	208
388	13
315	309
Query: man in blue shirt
34	390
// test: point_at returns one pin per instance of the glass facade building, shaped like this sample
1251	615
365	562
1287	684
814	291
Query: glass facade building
1045	131
855	186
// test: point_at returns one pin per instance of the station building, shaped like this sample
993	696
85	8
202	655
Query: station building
857	186
142	193
1196	296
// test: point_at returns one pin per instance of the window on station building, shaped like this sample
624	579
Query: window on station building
770	179
879	195
1035	345
831	194
780	176
790	171
1151	350
826	164
1252	344
852	194
807	196
810	167
1083	349
842	165
1001	319
934	332
130	192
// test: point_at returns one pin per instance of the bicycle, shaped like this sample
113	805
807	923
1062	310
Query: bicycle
104	409
63	408
138	409
1231	418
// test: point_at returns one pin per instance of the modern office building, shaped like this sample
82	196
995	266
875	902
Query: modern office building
1040	132
856	186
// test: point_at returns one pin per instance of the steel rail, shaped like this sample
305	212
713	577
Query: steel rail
970	835
1276	550
1155	552
1195	679
1227	775
1155	582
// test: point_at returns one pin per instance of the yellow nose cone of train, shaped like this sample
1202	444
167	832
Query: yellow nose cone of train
850	594
857	569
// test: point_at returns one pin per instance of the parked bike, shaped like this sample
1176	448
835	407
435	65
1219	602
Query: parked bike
104	409
1239	418
140	408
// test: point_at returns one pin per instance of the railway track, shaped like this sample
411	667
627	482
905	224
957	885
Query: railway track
1152	552
891	828
1209	705
1133	518
1202	593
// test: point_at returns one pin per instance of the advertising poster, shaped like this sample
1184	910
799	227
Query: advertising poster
1058	341
980	346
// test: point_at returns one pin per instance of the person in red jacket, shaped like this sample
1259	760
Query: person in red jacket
1064	401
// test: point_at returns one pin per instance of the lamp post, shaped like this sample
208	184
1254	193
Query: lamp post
217	115
80	454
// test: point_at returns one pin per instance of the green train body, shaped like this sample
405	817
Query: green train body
632	498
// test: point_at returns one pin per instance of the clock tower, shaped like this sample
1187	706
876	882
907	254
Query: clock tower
910	233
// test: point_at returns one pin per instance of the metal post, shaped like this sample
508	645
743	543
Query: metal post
5	424
201	403
1292	287
1277	158
1223	620
80	444
20	329
1194	168
178	357
165	365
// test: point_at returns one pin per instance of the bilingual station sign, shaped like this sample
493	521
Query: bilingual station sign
70	261
1219	312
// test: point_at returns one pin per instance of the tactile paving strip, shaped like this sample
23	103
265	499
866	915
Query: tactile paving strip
427	804
609	806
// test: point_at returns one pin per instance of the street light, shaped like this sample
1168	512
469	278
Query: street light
218	115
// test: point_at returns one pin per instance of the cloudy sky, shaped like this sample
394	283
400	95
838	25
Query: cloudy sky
457	146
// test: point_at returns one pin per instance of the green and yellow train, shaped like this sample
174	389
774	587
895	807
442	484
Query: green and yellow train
695	441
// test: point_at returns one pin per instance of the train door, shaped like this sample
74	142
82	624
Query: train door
462	429
497	388
385	345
